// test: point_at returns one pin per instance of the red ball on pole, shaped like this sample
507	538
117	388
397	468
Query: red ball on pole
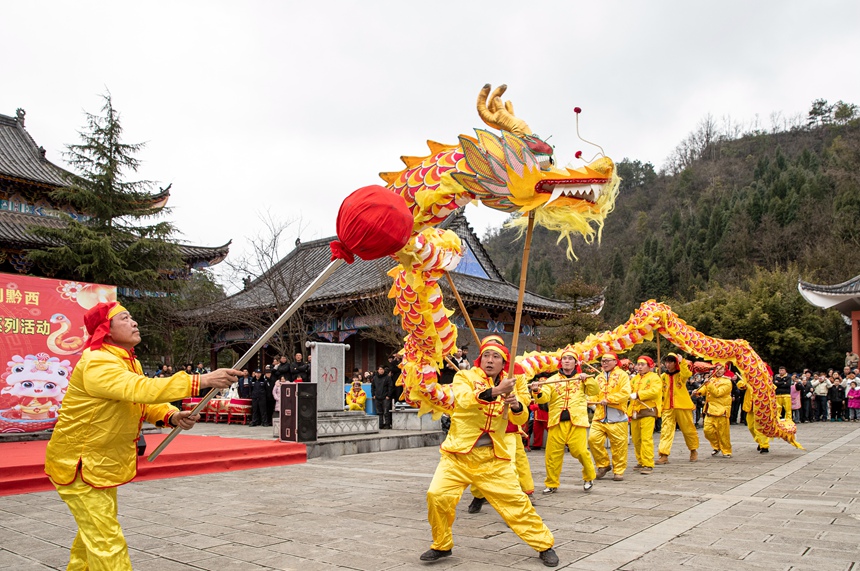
372	222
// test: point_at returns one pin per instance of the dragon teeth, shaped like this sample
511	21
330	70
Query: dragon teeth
556	192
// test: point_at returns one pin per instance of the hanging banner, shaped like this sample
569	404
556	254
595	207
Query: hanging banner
42	335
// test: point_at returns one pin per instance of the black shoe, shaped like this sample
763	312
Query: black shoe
434	554
476	505
764	451
758	448
549	558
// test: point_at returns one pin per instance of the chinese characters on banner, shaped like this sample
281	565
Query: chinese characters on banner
42	335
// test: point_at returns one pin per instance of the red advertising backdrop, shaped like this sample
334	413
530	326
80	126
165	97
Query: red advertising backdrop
42	335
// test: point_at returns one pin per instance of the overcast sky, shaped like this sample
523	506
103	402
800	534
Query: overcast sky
281	109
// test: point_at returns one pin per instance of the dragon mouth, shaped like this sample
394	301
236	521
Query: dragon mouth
581	189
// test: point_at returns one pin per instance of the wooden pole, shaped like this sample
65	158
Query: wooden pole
523	274
463	310
658	351
258	345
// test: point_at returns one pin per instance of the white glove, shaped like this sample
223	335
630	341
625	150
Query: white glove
634	396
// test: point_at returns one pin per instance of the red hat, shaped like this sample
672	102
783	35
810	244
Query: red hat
494	343
97	321
569	351
647	360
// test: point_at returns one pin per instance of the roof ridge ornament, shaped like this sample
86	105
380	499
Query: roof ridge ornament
19	115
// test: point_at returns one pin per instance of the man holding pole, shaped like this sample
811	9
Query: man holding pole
475	452
717	391
610	418
565	392
677	408
93	446
645	402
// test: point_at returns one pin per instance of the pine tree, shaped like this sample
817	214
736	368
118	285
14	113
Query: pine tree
112	243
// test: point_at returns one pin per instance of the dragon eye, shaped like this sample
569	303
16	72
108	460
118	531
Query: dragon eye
27	384
18	369
62	372
50	386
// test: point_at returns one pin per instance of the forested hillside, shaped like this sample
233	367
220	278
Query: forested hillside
724	214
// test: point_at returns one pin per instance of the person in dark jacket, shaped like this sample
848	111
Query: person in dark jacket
282	370
245	385
260	410
782	381
836	396
300	372
381	388
806	397
269	377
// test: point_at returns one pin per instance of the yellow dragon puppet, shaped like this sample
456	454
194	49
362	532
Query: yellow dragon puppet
515	171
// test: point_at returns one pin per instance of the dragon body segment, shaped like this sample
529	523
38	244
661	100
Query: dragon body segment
653	317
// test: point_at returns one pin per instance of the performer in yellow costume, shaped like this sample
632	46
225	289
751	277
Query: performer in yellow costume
356	399
514	442
568	419
646	398
677	408
475	452
522	468
93	448
718	404
760	439
610	418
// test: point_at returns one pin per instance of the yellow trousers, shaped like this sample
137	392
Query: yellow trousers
642	430
576	439
521	465
717	433
760	439
783	402
684	419
617	434
496	480
99	544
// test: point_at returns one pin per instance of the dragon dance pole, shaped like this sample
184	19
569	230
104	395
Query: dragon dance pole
312	287
523	274
463	309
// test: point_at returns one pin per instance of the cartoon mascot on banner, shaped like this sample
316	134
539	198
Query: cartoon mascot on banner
36	385
514	171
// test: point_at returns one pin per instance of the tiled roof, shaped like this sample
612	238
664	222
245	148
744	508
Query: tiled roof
15	232
364	279
852	286
21	158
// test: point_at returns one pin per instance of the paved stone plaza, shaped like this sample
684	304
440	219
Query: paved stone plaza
787	510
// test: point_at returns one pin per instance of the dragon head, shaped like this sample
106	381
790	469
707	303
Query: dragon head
516	172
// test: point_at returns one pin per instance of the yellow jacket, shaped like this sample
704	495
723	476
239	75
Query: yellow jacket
615	390
675	394
355	401
718	396
473	417
568	396
104	408
649	390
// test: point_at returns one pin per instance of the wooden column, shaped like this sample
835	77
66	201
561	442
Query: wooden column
855	332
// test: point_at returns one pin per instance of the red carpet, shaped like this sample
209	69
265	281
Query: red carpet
22	464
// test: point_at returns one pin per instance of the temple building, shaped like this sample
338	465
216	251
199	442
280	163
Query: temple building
27	179
844	298
352	306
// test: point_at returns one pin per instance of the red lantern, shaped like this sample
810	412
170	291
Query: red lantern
373	222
